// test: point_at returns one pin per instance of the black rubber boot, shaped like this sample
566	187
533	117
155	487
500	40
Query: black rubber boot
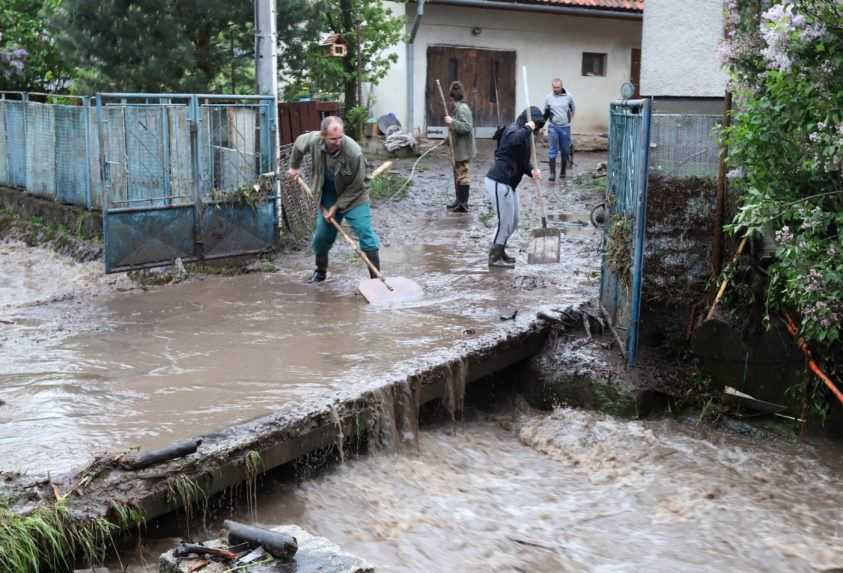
321	271
553	170
496	258
375	258
562	169
456	202
506	257
462	199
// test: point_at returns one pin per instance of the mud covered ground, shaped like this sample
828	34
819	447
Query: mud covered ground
95	364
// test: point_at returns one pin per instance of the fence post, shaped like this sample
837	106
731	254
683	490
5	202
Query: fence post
640	233
196	161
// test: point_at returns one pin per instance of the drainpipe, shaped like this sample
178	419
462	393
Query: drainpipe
411	67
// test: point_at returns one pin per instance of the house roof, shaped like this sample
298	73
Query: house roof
618	5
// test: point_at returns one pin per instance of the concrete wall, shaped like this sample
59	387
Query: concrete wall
679	52
549	45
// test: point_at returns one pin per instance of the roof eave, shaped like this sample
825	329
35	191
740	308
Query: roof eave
545	8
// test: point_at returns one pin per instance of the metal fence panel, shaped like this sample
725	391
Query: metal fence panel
16	142
72	150
685	145
229	230
4	149
180	163
113	156
40	150
146	157
137	238
93	160
623	265
235	148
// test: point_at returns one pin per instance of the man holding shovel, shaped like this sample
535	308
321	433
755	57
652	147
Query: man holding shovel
461	126
513	160
339	172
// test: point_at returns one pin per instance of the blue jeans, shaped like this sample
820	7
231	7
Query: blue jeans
560	142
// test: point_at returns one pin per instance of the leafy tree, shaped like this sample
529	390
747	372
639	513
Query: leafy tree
29	57
369	30
157	45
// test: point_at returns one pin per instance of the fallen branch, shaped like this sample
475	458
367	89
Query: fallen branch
812	365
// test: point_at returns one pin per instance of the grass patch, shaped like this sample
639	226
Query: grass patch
49	538
254	465
386	187
185	492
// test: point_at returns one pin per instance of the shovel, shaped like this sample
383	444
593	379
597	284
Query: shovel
379	290
543	247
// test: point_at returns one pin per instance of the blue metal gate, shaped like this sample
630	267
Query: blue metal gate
172	165
623	261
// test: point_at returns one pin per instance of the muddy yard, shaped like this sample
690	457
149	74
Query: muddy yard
95	363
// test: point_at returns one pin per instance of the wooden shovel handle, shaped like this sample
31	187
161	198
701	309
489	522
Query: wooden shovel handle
360	253
345	236
380	169
542	210
450	135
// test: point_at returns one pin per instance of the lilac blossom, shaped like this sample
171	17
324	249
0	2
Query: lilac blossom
785	235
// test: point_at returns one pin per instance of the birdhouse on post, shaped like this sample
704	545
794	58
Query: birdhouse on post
334	45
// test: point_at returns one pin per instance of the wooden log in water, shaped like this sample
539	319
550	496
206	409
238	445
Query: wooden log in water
279	545
171	452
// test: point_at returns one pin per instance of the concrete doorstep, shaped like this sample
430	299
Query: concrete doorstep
314	555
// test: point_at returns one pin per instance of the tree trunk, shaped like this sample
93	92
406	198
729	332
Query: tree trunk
349	64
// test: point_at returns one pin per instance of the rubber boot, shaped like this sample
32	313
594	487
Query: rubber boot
553	170
321	271
505	257
563	168
375	258
496	258
462	199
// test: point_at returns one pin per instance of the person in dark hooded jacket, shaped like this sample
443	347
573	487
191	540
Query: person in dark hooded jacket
512	161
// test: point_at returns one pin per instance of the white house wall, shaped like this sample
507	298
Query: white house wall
391	94
550	45
679	52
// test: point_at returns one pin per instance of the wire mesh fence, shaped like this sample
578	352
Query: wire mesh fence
685	145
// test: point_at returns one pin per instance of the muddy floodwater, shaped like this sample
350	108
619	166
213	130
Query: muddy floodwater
572	491
577	491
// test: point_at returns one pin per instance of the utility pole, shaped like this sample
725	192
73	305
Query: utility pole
266	74
266	48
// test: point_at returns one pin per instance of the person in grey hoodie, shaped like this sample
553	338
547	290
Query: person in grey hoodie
559	110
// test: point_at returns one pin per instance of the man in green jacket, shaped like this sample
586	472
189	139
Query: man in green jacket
339	172
461	126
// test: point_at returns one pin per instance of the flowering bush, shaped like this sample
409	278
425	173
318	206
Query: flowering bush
786	149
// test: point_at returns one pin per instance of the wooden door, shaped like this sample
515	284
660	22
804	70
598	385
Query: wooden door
481	72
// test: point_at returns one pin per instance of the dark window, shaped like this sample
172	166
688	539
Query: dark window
453	70
593	64
493	83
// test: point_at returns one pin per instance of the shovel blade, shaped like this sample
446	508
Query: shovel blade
543	248
403	290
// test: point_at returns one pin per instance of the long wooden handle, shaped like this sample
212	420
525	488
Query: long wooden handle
360	253
542	210
450	135
725	282
345	236
380	169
